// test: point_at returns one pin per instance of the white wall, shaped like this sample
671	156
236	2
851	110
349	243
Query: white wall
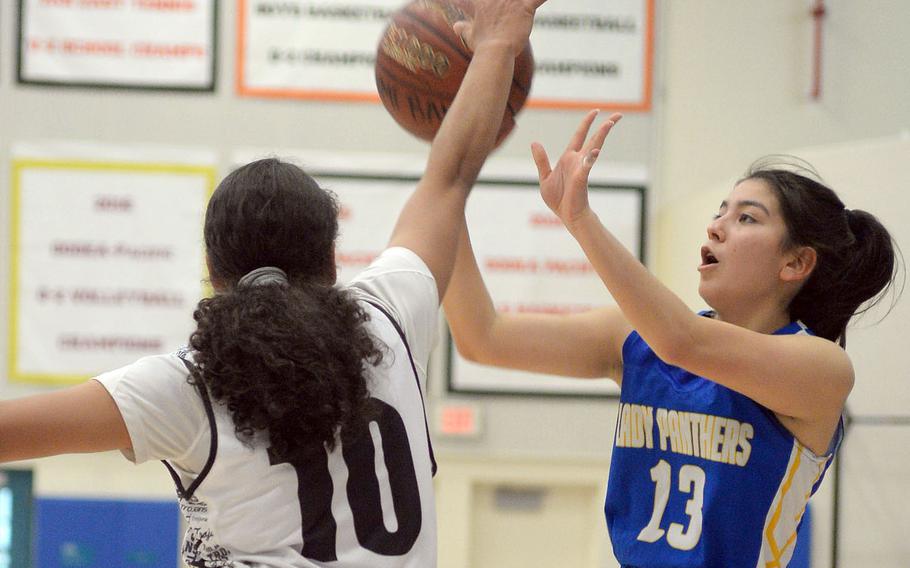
735	87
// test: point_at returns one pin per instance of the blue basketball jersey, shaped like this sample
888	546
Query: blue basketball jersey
702	475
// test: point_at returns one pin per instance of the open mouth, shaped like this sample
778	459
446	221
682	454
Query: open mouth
707	257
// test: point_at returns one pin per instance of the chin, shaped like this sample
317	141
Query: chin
709	295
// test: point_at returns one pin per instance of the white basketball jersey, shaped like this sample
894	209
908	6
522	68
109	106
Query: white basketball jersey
367	503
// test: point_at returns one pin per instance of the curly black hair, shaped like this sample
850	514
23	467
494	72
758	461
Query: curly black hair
288	359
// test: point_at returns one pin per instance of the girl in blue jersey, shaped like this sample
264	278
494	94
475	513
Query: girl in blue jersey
727	419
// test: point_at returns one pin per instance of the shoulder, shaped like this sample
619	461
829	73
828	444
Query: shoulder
400	281
394	262
163	413
162	374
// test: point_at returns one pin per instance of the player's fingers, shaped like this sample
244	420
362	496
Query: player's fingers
599	136
578	139
541	160
465	32
590	158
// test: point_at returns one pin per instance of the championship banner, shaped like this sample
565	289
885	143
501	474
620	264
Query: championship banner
588	53
529	261
143	44
107	259
531	264
593	54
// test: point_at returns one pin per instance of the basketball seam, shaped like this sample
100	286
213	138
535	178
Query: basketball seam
417	87
421	89
465	56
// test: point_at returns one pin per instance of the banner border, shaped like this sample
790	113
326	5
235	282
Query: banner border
210	88
642	105
14	375
450	350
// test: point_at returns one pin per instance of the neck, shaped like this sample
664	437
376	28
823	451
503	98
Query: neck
761	321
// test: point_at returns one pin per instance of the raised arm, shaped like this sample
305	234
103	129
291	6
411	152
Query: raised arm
431	219
804	379
587	345
584	345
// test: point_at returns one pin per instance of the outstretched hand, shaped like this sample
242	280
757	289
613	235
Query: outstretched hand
564	188
507	21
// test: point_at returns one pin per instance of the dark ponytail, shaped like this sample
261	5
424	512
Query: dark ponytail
856	256
288	359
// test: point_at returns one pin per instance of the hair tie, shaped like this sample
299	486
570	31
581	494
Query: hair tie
850	217
263	276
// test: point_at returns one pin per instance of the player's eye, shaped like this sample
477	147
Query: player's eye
746	218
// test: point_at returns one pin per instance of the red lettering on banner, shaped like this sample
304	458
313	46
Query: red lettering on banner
113	203
138	252
116	297
92	47
165	5
363	258
168	50
50	295
85	249
101	3
545	220
568	266
345	213
81	249
510	264
37	44
74	342
121	297
539	308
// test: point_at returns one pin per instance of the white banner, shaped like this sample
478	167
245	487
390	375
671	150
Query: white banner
593	54
529	261
107	257
300	48
588	53
531	264
122	43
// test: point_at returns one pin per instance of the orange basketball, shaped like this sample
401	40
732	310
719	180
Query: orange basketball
420	63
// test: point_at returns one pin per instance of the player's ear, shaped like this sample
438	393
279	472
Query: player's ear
800	262
217	285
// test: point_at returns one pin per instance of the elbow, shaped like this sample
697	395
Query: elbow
470	351
846	384
676	348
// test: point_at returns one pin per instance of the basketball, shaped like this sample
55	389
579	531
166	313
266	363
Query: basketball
421	61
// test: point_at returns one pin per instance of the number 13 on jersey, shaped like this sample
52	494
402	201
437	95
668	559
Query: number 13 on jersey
691	482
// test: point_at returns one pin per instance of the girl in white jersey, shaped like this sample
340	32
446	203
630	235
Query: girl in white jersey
271	421
726	423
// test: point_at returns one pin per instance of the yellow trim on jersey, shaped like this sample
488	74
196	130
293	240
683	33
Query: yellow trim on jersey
799	518
769	530
779	552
